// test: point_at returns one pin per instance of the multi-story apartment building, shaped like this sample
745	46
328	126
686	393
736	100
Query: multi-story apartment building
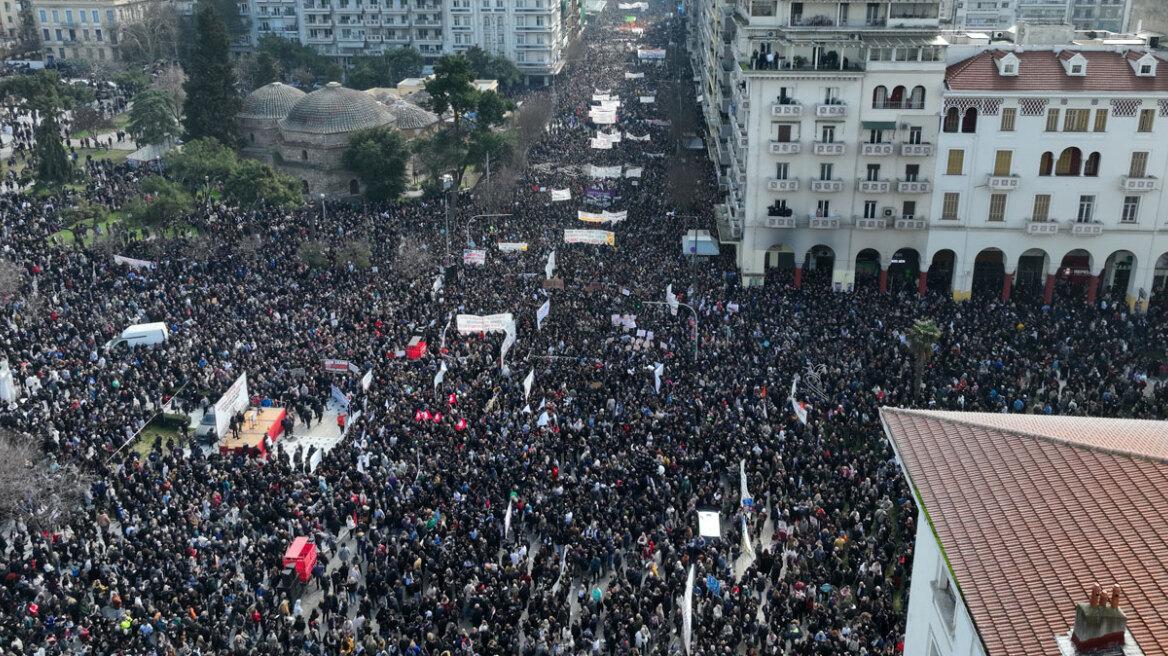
829	133
83	29
1050	173
1111	15
532	33
982	14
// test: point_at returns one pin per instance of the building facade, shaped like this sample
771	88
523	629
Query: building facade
83	29
532	33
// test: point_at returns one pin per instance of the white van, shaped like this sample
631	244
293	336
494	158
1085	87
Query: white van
142	334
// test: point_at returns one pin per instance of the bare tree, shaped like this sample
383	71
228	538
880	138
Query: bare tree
154	35
414	260
88	119
35	489
530	124
499	193
171	79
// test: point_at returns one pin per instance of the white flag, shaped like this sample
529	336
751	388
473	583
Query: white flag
746	538
687	613
437	284
543	419
542	313
800	411
367	380
743	493
671	299
658	371
508	341
527	385
551	265
440	375
507	521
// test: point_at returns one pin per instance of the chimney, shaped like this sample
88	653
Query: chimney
1100	625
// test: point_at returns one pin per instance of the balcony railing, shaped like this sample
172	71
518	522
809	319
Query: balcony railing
783	185
785	147
1046	227
1142	183
874	186
786	110
911	223
871	224
828	148
916	150
1003	182
831	110
904	104
780	222
914	186
1092	229
827	186
876	149
824	222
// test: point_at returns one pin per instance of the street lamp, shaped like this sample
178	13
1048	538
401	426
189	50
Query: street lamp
471	220
323	209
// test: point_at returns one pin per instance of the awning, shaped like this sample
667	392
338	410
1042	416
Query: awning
879	125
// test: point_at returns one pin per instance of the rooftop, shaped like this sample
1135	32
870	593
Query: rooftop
334	109
1031	511
1042	70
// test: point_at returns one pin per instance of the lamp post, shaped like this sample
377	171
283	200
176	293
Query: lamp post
471	220
323	209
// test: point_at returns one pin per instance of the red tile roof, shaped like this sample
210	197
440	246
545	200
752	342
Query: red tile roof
1031	511
1041	70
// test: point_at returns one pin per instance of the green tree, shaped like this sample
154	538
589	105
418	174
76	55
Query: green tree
452	89
200	160
131	79
313	254
385	69
356	253
494	67
294	56
252	183
922	337
378	156
53	167
212	101
265	70
45	93
152	117
166	202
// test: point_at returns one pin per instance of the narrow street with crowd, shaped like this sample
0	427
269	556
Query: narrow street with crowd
627	430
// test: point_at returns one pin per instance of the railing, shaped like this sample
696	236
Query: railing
916	150
1141	183
1041	227
870	224
911	223
1003	182
874	186
785	147
831	110
828	148
914	186
1092	229
789	110
875	149
783	185
904	104
824	222
781	222
827	186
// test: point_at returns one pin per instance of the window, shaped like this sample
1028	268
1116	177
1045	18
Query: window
1046	163
69	16
869	209
956	162
93	15
1146	116
828	132
109	16
911	172
304	154
783	133
1145	69
1131	209
1086	209
58	35
84	16
1076	120
997	207
44	18
1002	161
969	121
56	16
1091	167
1008	69
1052	117
1100	120
952	120
876	136
823	208
1069	162
97	34
781	171
916	135
1076	69
1008	116
949	205
825	172
873	172
879	98
1139	165
46	33
1041	212
909	209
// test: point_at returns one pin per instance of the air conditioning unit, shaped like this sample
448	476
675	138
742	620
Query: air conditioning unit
771	34
889	211
904	126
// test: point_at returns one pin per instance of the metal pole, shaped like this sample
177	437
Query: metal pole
471	220
695	318
323	209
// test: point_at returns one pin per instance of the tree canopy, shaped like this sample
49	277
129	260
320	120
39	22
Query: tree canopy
49	96
302	62
212	101
494	67
200	159
378	156
385	69
253	183
152	118
165	201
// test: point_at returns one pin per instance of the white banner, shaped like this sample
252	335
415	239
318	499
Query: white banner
527	385
605	171
367	380
658	372
602	92
746	538
602	217
800	411
512	246
473	323
542	313
600	144
475	257
508	341
440	375
234	400
551	265
614	138
507	520
633	137
745	499
610	105
134	264
601	97
595	237
339	366
648	100
633	172
651	53
687	611
634	76
603	118
709	525
561	194
340	397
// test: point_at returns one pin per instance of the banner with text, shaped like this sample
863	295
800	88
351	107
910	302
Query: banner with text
476	257
234	400
473	323
561	194
595	237
606	171
602	217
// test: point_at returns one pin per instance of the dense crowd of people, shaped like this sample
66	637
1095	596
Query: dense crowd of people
601	466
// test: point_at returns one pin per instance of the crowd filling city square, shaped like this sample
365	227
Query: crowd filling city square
532	490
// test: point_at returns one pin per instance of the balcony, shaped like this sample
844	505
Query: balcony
910	223
893	104
827	186
876	149
786	222
914	186
783	185
785	147
786	110
874	186
1003	182
373	22
824	222
916	150
828	148
1047	227
319	38
1142	183
1092	229
831	110
871	224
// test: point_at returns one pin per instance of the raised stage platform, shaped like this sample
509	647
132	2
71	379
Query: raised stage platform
267	422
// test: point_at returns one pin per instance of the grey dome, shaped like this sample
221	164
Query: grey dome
334	109
273	100
411	117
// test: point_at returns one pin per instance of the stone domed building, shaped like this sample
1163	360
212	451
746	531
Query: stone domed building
305	136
